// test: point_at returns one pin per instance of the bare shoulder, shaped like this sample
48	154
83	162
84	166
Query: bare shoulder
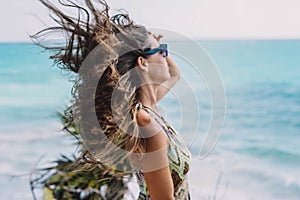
143	118
152	131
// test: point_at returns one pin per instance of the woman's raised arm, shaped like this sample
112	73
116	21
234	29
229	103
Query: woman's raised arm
174	77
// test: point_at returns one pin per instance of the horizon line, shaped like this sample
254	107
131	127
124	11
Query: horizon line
196	39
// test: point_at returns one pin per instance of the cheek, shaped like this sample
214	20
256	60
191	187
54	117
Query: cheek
164	65
162	60
159	68
159	72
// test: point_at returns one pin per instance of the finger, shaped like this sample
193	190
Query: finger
159	36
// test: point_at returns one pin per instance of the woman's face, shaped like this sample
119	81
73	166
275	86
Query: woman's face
158	69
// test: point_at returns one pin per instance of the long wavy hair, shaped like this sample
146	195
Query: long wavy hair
102	48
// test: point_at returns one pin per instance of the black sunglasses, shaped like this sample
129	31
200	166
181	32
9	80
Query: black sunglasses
162	49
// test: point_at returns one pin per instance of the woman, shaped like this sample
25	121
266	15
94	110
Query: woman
133	71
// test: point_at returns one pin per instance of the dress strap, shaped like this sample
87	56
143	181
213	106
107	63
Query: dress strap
165	125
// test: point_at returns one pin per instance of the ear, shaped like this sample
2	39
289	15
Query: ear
141	63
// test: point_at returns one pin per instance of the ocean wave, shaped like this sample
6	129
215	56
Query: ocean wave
243	177
276	155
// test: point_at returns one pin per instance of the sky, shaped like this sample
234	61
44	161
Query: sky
197	19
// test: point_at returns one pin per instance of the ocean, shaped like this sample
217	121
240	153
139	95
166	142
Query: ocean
257	155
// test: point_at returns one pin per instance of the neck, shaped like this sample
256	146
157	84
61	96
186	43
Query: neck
148	96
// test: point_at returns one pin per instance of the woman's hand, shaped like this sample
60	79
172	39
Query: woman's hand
157	37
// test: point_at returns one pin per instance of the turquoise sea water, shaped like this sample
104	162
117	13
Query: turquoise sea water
256	157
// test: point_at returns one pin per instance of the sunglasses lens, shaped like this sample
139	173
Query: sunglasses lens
163	52
163	46
164	49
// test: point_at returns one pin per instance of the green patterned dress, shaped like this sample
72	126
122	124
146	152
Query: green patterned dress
179	161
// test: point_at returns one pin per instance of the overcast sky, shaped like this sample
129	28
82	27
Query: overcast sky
198	19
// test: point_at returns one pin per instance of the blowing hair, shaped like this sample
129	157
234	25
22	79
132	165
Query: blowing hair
103	48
